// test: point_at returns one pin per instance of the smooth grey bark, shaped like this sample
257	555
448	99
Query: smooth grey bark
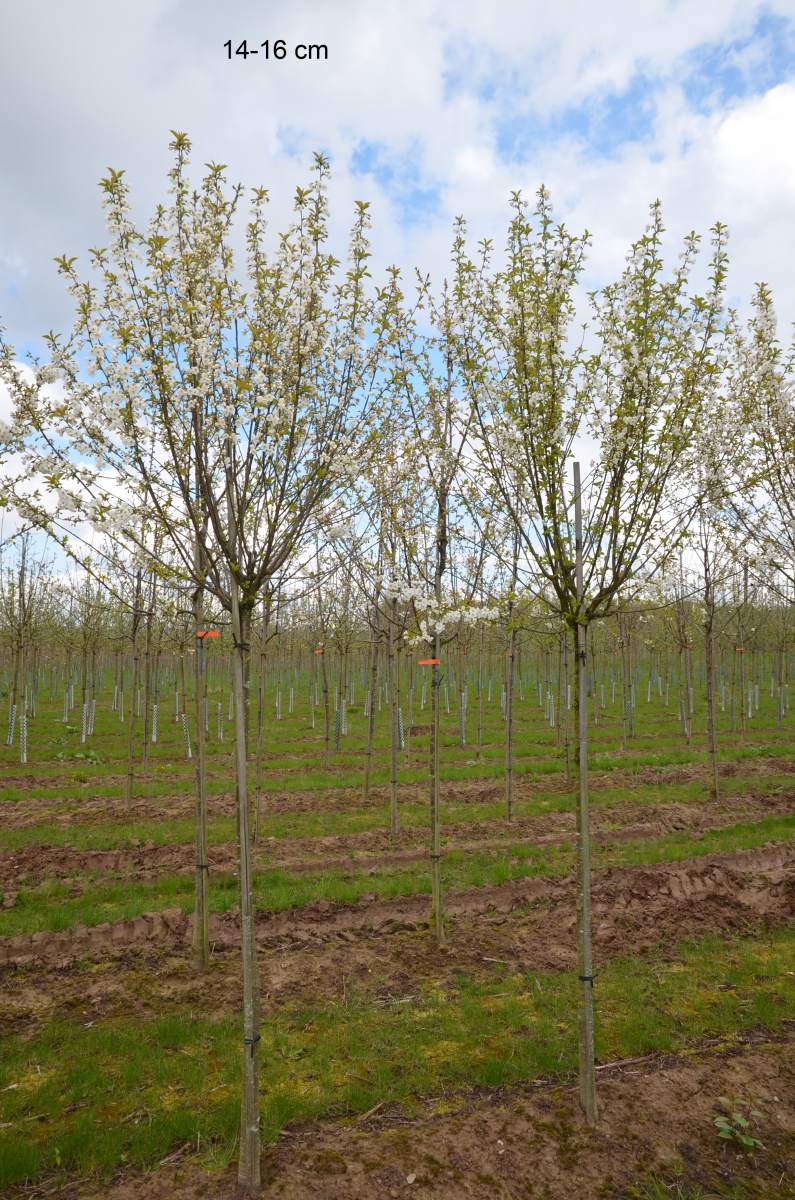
437	916
436	843
509	678
147	674
248	1172
266	618
584	914
201	930
371	683
481	640
136	618
394	732
709	656
566	713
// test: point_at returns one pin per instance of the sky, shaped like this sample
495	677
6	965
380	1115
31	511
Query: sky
427	110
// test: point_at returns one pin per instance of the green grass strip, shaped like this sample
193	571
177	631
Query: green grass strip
50	907
93	1098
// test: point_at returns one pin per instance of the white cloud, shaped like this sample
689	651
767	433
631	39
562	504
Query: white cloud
428	81
753	153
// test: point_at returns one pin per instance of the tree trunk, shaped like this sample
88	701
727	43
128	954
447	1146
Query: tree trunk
147	677
481	639
394	732
136	618
131	728
625	694
509	678
436	842
372	677
266	616
567	710
709	657
326	709
201	933
436	845
248	1173
12	694
584	947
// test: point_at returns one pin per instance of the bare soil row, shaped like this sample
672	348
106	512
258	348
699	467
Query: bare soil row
373	849
94	807
656	1116
384	948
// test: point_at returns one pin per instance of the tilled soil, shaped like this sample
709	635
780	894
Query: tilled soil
530	1143
384	947
374	849
95	808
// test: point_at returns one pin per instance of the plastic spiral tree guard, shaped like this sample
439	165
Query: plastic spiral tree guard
186	735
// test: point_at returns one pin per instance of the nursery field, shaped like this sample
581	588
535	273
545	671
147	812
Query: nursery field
391	1067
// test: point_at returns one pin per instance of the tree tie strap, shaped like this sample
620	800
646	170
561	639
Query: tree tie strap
251	1041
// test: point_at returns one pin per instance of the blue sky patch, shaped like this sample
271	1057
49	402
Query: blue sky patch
747	66
603	124
415	199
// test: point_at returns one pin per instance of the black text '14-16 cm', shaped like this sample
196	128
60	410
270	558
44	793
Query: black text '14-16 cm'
303	51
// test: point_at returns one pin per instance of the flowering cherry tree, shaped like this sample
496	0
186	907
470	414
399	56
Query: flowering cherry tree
225	412
759	417
426	382
635	384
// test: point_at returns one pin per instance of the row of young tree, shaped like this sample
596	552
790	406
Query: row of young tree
402	459
66	641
